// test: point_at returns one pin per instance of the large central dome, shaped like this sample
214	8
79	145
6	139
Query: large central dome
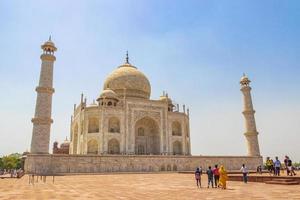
128	80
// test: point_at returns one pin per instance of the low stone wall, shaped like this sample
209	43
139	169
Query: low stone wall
263	179
64	164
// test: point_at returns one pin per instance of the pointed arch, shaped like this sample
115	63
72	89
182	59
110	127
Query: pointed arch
147	136
177	148
92	147
174	167
113	146
176	128
114	125
93	125
169	168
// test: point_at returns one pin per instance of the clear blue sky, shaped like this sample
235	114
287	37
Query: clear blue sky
196	50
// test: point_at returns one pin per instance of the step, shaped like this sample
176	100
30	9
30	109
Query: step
282	182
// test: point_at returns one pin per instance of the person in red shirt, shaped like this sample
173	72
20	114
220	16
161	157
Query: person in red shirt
216	175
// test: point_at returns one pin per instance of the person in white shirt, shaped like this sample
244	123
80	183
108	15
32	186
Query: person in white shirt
245	172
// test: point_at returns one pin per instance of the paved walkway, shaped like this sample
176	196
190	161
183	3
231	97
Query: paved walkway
138	186
5	176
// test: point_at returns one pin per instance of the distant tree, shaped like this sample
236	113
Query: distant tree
12	161
1	163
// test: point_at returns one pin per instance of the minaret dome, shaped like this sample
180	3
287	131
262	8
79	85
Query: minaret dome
49	47
245	80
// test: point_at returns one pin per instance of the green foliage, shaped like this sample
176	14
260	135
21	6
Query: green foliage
12	161
1	163
297	164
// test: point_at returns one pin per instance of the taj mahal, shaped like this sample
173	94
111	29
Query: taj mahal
125	130
125	121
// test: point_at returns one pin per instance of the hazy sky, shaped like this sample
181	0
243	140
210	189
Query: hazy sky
196	50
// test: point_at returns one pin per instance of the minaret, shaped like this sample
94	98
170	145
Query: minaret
251	132
42	117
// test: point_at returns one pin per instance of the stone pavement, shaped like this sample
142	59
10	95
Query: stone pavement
138	186
5	175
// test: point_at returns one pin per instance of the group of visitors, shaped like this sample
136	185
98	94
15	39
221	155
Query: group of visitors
290	170
274	167
14	173
217	177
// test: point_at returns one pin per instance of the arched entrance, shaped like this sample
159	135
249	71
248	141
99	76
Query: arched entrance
147	137
114	125
92	147
177	148
113	146
176	128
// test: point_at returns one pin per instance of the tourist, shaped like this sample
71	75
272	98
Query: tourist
272	167
223	177
259	169
286	165
290	167
198	174
210	177
216	175
269	165
277	166
245	172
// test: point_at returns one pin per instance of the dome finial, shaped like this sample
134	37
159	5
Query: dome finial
127	58
49	37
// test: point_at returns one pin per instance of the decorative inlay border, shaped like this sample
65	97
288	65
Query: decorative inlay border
42	121
45	90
